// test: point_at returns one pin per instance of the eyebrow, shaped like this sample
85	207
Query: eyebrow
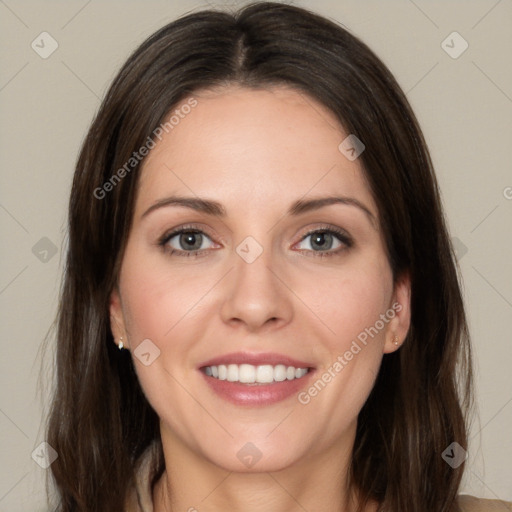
299	207
303	206
195	203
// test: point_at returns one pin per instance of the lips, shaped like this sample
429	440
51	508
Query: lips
232	388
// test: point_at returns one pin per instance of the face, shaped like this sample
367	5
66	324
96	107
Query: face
256	245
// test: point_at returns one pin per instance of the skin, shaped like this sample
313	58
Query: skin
256	152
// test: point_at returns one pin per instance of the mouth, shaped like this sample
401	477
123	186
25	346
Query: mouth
256	379
251	374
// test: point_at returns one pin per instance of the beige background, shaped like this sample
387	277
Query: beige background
464	106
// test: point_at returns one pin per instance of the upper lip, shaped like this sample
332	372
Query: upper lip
255	359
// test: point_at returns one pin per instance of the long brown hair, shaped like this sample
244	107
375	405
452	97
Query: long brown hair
100	421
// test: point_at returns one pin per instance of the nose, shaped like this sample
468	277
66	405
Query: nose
256	296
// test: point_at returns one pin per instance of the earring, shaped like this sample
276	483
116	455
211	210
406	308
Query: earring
395	340
120	344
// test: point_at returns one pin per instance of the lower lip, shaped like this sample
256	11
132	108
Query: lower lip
257	394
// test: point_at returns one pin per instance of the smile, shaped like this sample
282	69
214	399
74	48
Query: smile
251	374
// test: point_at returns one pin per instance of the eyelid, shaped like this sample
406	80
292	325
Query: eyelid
344	238
163	241
343	234
188	227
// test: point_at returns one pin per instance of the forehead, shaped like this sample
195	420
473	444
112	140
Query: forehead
260	145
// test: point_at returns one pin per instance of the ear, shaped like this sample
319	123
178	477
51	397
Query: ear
400	310
117	323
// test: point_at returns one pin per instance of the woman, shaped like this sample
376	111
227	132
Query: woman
260	309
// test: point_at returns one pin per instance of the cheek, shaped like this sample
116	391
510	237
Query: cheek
350	301
158	303
161	306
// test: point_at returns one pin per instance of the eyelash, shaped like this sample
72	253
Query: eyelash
184	229
341	235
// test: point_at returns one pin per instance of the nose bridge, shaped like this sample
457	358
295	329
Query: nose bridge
256	295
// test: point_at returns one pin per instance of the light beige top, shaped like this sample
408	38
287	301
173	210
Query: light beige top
141	497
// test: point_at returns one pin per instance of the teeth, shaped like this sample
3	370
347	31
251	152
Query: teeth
265	374
247	373
250	374
232	373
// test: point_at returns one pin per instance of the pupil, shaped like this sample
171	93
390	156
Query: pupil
321	241
191	241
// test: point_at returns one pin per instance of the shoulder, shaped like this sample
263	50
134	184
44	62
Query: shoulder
472	504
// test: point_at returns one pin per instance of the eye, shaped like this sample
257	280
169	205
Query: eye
189	241
330	241
186	241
